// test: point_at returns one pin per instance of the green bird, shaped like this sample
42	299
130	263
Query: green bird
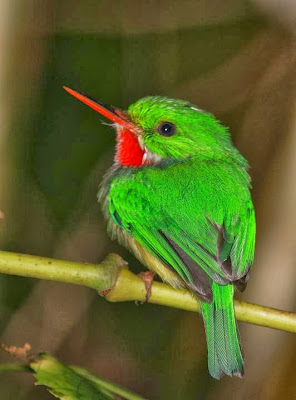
178	197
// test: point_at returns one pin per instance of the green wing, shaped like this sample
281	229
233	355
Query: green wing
225	256
237	252
204	239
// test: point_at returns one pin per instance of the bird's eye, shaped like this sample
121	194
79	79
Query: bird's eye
166	129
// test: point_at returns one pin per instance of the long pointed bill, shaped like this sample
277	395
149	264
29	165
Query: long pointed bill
113	114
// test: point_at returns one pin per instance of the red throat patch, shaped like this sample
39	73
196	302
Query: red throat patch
128	151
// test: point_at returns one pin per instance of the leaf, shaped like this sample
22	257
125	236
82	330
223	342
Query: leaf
99	382
75	383
64	383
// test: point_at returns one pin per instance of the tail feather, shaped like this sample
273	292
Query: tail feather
224	351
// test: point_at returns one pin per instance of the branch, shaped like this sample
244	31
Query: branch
116	283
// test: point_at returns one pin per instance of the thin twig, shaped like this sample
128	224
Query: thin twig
14	368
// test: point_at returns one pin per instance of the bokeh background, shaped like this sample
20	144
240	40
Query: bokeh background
235	58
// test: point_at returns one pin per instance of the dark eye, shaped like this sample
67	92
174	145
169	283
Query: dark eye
166	129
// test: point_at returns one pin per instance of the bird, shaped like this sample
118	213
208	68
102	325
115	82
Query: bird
178	197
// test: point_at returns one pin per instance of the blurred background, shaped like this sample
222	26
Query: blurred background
235	58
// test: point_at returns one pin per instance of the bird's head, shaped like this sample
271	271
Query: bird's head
156	128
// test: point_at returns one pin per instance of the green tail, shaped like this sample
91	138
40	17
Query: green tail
224	351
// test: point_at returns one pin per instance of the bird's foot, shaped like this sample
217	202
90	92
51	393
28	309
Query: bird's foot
147	277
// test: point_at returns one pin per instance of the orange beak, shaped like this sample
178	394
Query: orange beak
113	114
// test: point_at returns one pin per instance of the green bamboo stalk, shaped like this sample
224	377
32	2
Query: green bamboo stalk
112	279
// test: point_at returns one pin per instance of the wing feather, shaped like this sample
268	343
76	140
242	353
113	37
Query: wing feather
199	248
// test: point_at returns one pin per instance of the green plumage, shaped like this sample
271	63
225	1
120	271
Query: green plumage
191	209
224	352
